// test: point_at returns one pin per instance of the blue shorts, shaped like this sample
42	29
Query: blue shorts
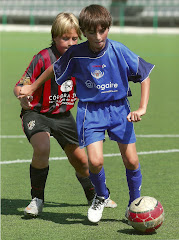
93	119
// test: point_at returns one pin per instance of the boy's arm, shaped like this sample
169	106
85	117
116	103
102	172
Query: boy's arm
28	90
24	101
135	116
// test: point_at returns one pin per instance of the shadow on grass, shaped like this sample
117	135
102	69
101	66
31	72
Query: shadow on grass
134	232
11	207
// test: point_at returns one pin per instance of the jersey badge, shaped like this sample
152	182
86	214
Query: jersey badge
31	125
97	74
67	86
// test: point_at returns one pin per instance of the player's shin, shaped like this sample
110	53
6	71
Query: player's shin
87	187
38	180
99	181
134	180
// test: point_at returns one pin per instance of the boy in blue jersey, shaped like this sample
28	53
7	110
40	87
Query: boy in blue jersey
103	69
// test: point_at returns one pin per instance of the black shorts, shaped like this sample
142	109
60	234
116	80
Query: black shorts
61	126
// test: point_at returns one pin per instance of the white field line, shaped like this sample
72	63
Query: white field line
105	155
113	29
12	136
158	136
138	136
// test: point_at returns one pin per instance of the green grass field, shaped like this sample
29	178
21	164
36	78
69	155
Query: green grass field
65	210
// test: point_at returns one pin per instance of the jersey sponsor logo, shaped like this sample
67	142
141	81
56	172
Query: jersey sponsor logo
64	98
97	74
67	86
90	84
31	124
107	86
99	66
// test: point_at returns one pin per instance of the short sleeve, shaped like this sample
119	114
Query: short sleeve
63	67
144	70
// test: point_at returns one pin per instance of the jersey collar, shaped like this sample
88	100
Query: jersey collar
100	53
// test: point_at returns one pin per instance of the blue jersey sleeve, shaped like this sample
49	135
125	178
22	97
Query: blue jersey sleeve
138	68
63	67
144	70
130	58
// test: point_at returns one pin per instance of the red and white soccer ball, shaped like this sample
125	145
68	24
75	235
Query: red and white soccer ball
146	214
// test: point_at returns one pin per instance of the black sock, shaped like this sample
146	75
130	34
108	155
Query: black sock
38	179
87	187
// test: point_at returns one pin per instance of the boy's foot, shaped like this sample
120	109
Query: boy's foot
110	203
90	194
96	209
34	208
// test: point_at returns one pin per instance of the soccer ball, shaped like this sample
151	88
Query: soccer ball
145	214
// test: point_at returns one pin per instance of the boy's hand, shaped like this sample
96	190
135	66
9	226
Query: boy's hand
135	116
26	90
25	102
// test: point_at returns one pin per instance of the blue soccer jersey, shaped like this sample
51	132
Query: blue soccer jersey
102	76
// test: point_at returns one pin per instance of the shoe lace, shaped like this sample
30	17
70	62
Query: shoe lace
97	203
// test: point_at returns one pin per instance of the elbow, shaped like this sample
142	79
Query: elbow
15	91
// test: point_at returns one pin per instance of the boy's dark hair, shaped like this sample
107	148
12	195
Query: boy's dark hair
94	15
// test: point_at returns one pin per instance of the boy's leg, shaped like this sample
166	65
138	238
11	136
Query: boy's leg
38	172
133	172
40	163
88	187
97	176
78	159
38	179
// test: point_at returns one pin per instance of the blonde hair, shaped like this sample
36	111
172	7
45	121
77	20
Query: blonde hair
63	23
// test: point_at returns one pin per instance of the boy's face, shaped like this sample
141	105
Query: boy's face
66	40
97	39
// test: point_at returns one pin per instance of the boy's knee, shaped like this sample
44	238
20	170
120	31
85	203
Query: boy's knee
41	149
95	167
132	164
40	157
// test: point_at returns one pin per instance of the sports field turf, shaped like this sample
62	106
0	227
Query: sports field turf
64	215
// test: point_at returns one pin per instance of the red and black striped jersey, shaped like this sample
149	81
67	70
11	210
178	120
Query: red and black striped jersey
50	98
